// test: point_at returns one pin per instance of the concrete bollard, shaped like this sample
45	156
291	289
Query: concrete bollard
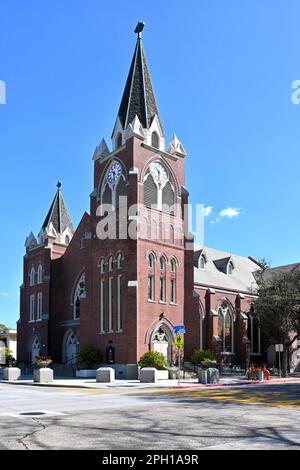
11	373
105	375
43	375
148	375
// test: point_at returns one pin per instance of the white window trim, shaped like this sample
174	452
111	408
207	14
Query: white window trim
224	312
31	308
39	306
110	305
119	304
102	330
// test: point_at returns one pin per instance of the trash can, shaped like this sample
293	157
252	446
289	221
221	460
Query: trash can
202	378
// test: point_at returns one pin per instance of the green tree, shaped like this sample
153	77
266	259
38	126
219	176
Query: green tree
277	309
3	327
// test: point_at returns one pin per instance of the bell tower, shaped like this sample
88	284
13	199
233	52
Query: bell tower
142	288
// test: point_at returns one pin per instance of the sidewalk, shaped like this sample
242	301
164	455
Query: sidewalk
135	384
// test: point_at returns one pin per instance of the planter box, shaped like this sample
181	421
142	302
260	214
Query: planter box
105	375
86	374
43	375
11	373
148	375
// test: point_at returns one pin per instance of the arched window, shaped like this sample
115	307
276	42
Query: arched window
32	276
40	274
168	198
162	263
230	268
119	261
102	265
202	262
150	192
150	261
110	263
173	265
119	140
79	294
159	192
162	280
114	185
225	329
151	277
155	140
173	281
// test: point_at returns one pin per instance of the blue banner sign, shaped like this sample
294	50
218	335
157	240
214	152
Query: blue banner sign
179	329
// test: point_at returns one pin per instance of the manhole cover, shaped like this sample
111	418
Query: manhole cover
33	413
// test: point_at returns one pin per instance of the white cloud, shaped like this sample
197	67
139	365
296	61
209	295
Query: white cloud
230	212
4	294
207	210
215	221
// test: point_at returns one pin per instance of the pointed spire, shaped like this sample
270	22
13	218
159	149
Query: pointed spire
176	147
58	217
101	151
138	97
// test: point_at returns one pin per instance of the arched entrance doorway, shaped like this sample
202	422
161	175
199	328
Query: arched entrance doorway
35	349
162	341
70	348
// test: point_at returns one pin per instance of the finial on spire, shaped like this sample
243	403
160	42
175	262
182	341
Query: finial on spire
139	28
58	185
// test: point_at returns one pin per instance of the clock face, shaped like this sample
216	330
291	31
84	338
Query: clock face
114	173
159	173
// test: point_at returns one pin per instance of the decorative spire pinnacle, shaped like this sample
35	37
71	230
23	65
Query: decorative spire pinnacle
58	214
138	97
139	28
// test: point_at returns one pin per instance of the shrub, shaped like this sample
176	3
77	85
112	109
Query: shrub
153	359
201	355
88	357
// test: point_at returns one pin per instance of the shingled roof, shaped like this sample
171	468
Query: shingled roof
58	214
138	97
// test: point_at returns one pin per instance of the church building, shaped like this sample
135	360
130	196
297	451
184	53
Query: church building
125	277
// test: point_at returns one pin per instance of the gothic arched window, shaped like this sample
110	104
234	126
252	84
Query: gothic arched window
225	329
32	276
159	191
114	185
173	265
151	277
155	140
79	294
119	140
102	265
230	268
40	274
202	262
150	192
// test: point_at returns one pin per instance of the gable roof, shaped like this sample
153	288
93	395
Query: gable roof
242	279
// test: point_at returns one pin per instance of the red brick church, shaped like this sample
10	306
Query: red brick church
125	277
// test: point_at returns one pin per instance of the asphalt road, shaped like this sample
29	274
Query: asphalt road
255	417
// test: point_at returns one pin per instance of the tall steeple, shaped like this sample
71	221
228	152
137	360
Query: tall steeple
58	223
138	97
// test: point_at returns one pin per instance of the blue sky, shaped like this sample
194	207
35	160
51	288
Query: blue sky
222	72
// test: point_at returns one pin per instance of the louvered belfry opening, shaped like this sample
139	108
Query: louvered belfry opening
150	192
168	198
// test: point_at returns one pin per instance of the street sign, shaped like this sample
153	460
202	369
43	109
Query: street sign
179	329
178	342
279	347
